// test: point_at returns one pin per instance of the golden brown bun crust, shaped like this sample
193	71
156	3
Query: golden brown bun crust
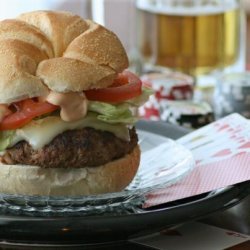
59	74
99	46
32	180
17	29
60	27
18	62
50	49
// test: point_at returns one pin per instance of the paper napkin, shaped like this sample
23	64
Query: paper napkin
222	154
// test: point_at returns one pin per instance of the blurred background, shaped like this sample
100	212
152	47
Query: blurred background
193	54
119	16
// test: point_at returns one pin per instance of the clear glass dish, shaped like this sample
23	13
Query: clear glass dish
158	169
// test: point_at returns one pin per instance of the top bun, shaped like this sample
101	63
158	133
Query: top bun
44	50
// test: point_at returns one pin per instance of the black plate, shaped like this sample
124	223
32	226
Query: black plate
100	229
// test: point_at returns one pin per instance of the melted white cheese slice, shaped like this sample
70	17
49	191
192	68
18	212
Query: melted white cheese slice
40	132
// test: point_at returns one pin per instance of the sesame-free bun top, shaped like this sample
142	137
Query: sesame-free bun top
59	51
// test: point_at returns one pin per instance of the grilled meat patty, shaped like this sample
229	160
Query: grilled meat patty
73	149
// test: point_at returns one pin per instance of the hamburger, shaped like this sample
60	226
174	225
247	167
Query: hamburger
67	107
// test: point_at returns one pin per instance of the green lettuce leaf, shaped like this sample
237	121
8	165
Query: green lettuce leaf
126	118
108	109
141	99
110	113
6	138
120	113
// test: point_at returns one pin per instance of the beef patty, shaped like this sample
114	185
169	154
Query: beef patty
73	149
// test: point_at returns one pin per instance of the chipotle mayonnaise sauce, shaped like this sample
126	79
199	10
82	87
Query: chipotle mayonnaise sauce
73	105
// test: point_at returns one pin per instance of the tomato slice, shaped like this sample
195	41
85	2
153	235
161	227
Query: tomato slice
24	112
126	86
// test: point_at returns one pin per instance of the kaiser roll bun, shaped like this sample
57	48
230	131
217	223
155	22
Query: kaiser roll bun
55	50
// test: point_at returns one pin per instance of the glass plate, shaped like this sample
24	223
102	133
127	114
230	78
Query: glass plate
158	169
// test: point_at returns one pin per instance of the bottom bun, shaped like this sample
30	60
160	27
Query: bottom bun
32	180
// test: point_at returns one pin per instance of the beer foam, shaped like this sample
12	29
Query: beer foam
168	8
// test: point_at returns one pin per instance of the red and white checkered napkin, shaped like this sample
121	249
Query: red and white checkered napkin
222	153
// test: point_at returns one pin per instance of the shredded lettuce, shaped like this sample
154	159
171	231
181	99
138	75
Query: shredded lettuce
6	138
108	109
126	118
119	113
112	113
141	99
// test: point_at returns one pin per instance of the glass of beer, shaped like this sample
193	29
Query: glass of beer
197	37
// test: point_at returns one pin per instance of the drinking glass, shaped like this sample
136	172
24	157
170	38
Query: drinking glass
198	37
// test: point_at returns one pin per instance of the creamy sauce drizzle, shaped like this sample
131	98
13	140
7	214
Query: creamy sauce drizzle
73	105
